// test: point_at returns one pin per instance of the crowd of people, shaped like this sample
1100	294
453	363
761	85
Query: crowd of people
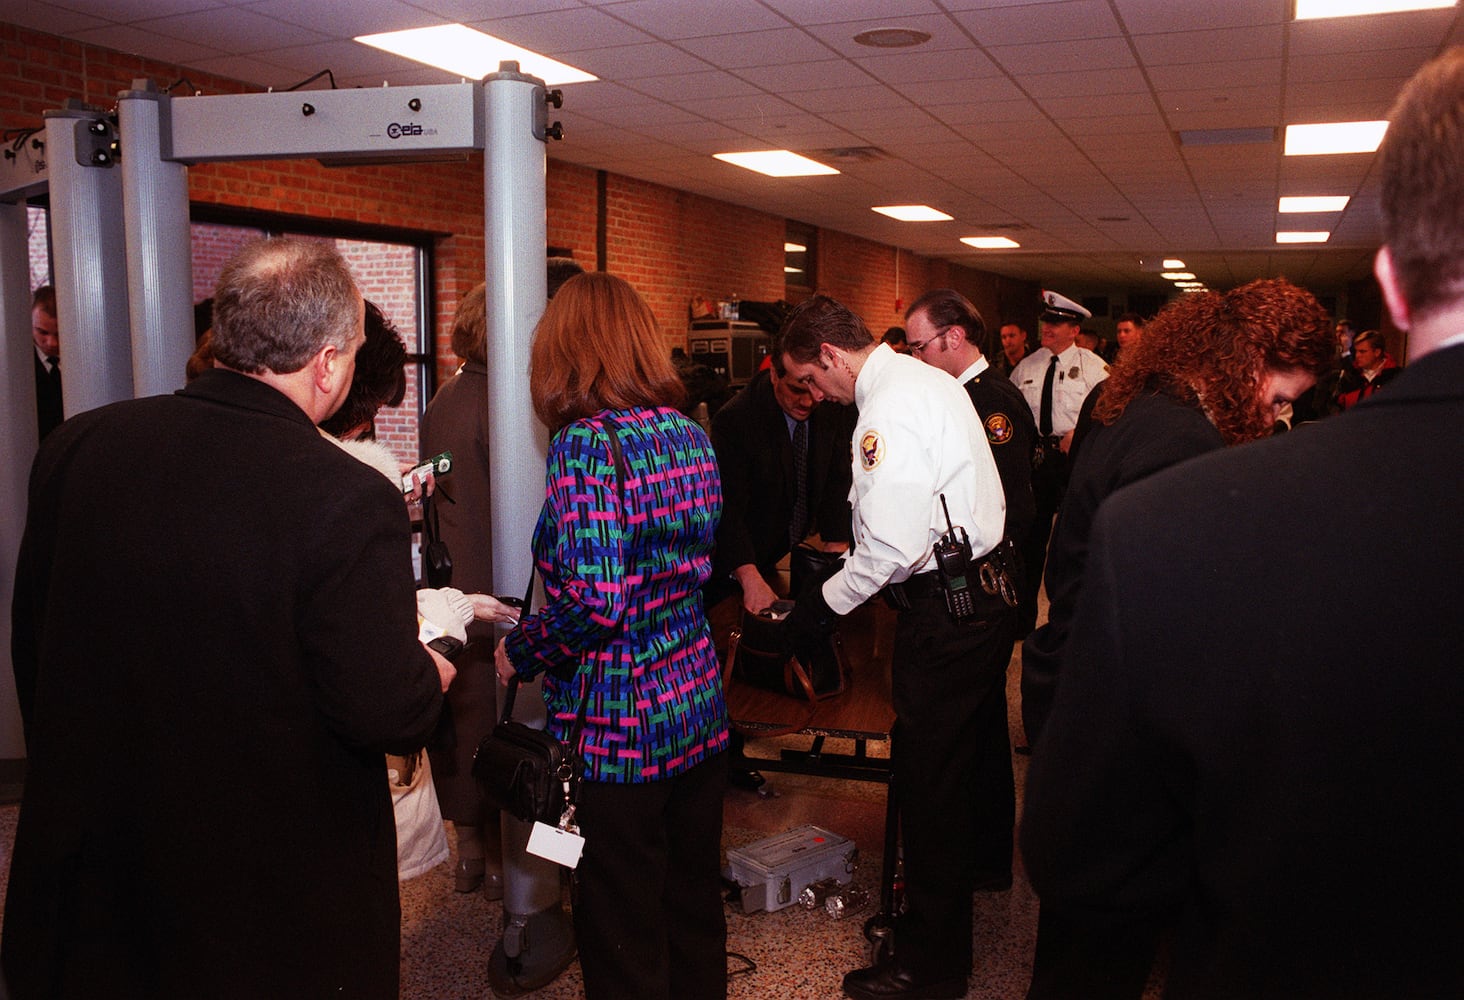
1229	761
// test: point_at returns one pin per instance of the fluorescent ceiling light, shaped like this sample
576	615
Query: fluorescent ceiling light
913	213
1310	9
794	248
470	53
776	163
792	270
989	242
1313	203
1296	237
1334	137
1189	284
1177	276
1173	264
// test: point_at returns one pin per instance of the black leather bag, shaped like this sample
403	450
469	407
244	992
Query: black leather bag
758	655
526	772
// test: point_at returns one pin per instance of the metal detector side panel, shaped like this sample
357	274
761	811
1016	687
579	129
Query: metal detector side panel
379	122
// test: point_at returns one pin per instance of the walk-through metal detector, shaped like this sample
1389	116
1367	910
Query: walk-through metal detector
123	262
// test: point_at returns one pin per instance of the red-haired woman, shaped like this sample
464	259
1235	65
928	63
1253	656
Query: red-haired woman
623	555
1211	370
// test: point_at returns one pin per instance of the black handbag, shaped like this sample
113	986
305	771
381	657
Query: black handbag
758	654
526	772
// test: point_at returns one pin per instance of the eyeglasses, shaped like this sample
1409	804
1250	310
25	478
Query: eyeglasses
917	346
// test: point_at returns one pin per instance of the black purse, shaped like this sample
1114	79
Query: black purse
757	654
526	772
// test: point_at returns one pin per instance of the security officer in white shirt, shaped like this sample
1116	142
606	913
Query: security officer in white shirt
917	440
1054	379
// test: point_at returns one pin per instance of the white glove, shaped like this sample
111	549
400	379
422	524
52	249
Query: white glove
448	609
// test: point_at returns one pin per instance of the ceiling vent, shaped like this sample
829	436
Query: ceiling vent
1225	136
849	154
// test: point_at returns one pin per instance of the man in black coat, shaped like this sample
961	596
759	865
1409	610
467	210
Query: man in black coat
1234	751
754	436
215	642
45	336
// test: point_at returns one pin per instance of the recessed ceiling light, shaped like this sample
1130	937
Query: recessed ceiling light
913	213
1178	276
1334	137
1173	264
892	38
470	53
1309	9
794	248
777	163
1313	203
1299	237
989	242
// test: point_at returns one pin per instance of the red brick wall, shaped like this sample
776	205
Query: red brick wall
670	244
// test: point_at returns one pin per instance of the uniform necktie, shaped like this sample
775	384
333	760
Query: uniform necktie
1044	424
798	527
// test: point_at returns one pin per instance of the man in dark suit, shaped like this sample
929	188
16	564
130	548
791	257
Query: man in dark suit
215	642
1234	753
756	436
946	332
48	359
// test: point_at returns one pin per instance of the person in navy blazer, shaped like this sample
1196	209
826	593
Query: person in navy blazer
1255	747
752	435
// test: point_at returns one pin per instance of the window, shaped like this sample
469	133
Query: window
799	253
392	273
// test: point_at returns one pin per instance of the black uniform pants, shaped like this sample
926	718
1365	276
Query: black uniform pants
1049	483
953	775
648	914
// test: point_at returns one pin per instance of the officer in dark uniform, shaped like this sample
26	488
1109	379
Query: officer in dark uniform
945	332
918	443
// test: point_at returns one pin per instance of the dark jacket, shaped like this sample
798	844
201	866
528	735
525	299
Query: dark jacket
755	456
1153	433
457	420
214	644
1252	743
1012	434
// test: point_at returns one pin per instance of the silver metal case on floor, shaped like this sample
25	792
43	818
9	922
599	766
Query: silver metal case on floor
774	870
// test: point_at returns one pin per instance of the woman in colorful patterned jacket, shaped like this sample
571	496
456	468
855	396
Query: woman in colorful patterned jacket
623	556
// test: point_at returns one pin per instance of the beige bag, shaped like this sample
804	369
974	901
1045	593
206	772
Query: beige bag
421	838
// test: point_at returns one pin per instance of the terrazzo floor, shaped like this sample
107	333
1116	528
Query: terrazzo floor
793	954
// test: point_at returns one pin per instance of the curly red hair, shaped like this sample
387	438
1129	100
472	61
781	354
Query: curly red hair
1213	350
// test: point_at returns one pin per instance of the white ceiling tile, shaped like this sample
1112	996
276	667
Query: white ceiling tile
1053	22
136	41
1346	36
1148	16
676	19
780	47
365	16
1103	106
562	31
945	35
226	29
1071	55
928	68
1090	83
634	62
1219	75
824	75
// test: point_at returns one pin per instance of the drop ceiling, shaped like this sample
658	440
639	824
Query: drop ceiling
1055	123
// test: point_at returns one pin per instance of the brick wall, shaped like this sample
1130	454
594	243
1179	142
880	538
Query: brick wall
670	244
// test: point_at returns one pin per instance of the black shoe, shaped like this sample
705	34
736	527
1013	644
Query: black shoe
746	779
890	982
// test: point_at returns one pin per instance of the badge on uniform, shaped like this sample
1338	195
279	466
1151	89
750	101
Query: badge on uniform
998	428
1074	371
871	450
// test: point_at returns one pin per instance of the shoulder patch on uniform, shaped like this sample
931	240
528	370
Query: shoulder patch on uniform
998	428
871	450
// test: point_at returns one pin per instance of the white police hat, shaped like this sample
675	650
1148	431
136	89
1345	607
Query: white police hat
1061	309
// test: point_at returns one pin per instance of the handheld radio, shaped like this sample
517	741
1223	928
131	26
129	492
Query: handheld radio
952	560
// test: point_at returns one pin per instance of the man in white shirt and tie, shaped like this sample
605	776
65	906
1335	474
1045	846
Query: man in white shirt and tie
1054	379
